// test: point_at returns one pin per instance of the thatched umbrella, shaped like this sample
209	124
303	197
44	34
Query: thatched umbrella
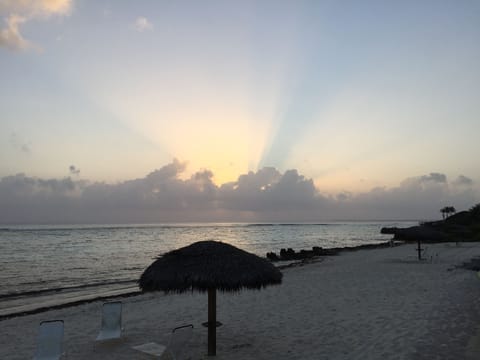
208	266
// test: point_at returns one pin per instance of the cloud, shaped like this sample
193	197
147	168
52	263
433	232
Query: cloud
142	24
73	170
430	181
269	190
434	177
17	12
24	186
418	198
462	180
19	144
266	195
36	8
10	36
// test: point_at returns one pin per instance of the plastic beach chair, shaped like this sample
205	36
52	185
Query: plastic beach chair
50	340
111	321
180	337
176	345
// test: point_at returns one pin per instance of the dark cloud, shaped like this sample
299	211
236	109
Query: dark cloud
343	196
462	180
269	192
73	170
425	180
417	198
434	177
265	195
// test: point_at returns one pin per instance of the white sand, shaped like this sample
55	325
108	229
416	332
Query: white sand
368	304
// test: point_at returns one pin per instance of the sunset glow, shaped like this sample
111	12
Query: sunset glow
344	93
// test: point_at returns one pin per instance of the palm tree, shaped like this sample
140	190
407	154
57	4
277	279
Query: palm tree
475	211
452	210
447	211
444	212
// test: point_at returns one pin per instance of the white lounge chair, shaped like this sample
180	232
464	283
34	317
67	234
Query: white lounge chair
111	321
176	345
50	340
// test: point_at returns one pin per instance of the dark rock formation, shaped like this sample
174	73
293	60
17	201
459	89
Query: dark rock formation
290	254
415	233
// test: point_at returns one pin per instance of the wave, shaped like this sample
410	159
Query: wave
64	228
20	294
114	227
56	228
291	224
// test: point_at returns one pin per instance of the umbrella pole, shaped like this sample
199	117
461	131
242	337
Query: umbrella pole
212	321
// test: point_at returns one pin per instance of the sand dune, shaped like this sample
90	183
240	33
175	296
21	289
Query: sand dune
368	304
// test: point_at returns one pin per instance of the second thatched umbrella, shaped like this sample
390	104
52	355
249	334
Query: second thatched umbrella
208	266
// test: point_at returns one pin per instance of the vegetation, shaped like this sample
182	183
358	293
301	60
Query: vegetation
455	227
475	211
458	226
447	211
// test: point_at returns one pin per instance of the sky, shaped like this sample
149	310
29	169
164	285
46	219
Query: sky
237	110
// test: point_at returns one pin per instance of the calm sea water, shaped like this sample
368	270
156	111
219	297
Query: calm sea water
51	265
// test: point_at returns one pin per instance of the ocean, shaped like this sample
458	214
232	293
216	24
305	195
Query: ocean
43	266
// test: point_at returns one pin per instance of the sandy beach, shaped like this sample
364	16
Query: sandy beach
366	304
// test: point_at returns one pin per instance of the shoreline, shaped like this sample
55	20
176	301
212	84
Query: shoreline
67	305
281	264
375	304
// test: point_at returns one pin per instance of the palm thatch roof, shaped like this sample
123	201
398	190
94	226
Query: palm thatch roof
208	265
